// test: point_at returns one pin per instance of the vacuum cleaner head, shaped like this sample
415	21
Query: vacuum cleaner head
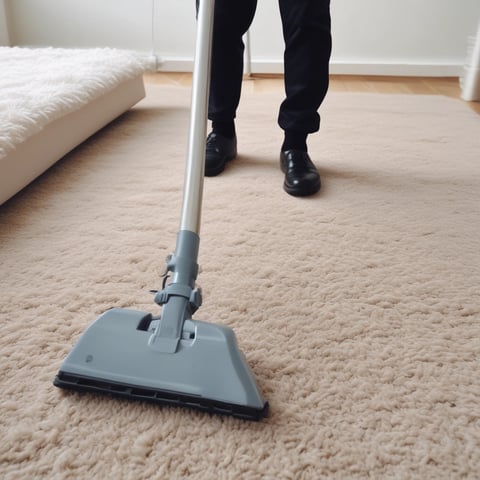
115	355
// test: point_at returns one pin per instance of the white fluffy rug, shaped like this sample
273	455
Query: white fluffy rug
39	85
358	309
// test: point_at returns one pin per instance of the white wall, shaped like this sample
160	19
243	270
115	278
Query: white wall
4	37
415	35
80	23
400	37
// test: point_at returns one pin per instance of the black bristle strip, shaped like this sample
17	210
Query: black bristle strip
87	384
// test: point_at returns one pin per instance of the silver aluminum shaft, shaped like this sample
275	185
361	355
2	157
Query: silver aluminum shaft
195	164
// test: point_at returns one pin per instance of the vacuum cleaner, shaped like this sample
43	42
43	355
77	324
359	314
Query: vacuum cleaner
170	358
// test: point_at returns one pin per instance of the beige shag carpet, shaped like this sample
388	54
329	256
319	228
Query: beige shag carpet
358	309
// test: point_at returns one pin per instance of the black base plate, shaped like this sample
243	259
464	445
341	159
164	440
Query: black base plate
136	392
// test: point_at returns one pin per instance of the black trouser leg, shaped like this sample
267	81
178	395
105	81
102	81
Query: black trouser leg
307	34
232	18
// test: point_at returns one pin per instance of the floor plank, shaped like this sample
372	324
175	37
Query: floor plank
448	86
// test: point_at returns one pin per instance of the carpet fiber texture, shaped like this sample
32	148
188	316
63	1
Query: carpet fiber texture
358	309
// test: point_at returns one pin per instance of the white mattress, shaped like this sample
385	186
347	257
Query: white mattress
51	100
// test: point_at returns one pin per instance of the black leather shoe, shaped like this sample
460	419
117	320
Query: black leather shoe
301	175
219	150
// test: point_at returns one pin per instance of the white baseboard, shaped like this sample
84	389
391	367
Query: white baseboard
397	69
336	68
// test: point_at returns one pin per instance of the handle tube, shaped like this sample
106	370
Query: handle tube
195	164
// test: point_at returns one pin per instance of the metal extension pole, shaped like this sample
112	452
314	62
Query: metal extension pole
195	165
248	55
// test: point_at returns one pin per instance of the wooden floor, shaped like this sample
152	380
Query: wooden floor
341	83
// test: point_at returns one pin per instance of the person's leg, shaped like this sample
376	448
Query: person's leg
307	34
231	20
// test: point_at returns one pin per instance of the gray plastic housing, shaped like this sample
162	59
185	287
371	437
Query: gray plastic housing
207	364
